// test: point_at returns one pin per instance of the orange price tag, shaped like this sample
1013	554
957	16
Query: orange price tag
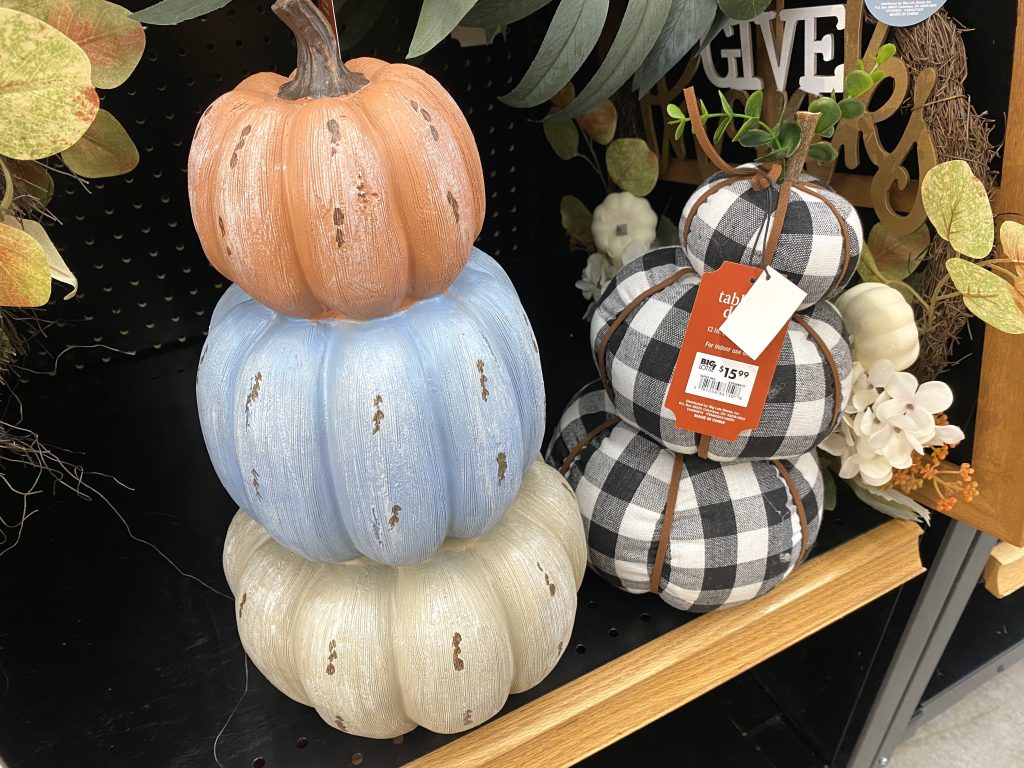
716	389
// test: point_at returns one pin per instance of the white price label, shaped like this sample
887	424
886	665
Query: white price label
721	379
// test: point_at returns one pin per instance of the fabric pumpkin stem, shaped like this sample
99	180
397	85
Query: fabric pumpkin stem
319	70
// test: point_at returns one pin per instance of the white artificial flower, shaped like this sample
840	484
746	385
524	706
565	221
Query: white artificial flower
596	275
888	418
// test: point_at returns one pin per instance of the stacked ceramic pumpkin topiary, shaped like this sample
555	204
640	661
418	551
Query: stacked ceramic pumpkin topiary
703	520
371	397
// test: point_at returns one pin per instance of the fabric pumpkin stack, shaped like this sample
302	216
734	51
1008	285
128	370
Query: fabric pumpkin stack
701	521
371	397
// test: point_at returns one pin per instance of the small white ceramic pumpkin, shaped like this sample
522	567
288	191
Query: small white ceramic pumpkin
619	220
881	325
378	650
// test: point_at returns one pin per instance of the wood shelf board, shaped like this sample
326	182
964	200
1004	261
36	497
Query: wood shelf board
1004	571
614	700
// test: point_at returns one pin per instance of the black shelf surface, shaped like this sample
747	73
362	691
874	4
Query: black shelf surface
110	657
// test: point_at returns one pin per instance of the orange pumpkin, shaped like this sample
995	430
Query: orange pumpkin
346	191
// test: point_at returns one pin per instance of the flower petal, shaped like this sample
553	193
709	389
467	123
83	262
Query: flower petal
881	372
901	385
934	396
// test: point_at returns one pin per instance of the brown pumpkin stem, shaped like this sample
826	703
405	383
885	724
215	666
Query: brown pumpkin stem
795	164
319	70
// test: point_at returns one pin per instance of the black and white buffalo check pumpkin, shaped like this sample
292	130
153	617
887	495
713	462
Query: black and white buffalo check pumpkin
737	530
639	355
734	222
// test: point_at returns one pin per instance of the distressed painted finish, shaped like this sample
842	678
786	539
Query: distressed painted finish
376	437
345	206
378	651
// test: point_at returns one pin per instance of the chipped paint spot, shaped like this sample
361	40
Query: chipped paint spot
339	227
241	143
547	580
254	393
331	656
378	415
467	717
415	106
561	645
457	661
502	467
339	722
426	115
363	190
335	130
377	532
484	391
223	235
433	132
241	603
256	484
454	204
393	520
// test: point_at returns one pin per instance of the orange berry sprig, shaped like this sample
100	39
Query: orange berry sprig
949	484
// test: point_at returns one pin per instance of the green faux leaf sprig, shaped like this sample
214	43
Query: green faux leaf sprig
783	138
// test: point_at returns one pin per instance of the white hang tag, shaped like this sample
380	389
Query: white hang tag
762	312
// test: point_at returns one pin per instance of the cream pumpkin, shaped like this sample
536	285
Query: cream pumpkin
379	650
348	191
881	325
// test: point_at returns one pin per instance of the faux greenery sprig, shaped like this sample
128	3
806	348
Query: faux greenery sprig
784	137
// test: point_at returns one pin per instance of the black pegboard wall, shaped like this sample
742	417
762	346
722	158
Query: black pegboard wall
145	284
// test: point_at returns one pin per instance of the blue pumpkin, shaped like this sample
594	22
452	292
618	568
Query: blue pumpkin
377	437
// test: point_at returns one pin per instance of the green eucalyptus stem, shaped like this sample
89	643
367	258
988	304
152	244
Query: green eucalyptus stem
8	198
593	162
1001	270
760	124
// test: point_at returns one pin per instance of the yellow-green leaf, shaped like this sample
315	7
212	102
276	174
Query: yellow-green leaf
110	38
58	268
958	207
24	274
988	296
632	166
576	219
105	150
46	96
563	137
600	122
1011	238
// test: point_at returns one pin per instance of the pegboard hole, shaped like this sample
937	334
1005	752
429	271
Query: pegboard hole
357	758
259	762
302	742
398	739
592	604
613	632
581	648
645	617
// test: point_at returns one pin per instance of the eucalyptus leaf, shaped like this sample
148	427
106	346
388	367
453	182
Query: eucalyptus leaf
822	152
667	232
755	137
889	501
829	502
24	273
58	269
495	13
570	38
858	82
851	108
33	184
437	20
600	122
687	21
641	23
723	126
632	166
743	10
1011	241
752	107
829	112
104	150
958	207
747	125
46	96
988	296
576	219
563	137
789	137
885	53
675	111
168	12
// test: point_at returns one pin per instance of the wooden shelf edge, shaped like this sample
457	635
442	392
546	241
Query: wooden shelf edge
1004	571
626	694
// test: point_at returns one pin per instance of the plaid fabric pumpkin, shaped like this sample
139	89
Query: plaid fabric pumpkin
732	224
737	529
640	355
